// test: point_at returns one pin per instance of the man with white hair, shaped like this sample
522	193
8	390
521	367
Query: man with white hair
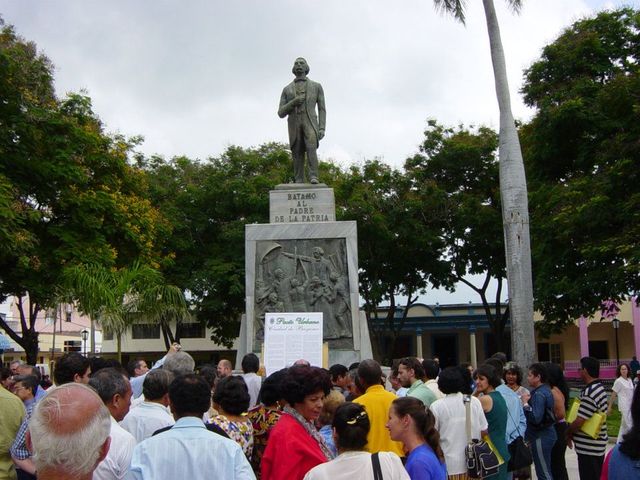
180	363
114	389
69	433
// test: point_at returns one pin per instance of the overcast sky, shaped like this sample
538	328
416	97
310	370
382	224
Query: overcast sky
193	77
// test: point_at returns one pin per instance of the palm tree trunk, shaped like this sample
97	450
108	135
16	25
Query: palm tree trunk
93	337
119	342
515	207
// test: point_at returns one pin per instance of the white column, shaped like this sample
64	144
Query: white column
472	348
419	343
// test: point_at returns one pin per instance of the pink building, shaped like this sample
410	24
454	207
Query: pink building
61	330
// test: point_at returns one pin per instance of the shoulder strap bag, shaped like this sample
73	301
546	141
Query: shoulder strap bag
377	470
482	462
519	450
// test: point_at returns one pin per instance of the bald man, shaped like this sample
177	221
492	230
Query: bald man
69	433
224	368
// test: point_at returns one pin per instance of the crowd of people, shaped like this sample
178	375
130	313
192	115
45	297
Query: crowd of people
103	421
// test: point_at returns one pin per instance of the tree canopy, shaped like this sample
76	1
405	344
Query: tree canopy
67	192
459	168
208	204
582	156
399	244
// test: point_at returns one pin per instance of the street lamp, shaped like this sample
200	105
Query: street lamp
616	325
85	335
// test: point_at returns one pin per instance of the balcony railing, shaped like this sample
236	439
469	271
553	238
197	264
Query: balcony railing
607	368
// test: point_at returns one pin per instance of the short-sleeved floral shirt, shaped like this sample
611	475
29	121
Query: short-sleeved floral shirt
240	432
263	420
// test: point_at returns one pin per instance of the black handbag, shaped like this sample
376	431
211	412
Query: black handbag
482	462
520	453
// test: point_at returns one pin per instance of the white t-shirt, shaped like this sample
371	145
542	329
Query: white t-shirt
624	389
433	386
450	416
254	382
357	465
116	464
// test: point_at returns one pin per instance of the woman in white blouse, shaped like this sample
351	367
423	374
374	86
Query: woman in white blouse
623	390
350	429
450	414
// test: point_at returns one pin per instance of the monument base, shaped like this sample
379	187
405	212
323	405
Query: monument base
336	355
305	261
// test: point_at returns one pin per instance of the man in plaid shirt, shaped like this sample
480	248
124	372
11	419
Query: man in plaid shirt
25	388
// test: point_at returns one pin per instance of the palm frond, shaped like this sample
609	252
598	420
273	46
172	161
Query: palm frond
118	298
454	7
515	5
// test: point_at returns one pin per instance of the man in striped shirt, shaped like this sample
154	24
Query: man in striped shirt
593	398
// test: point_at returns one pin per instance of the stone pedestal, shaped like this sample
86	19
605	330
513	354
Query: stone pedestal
294	203
305	261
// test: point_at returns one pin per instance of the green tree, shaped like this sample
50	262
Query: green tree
118	298
208	204
460	166
399	246
513	192
67	193
582	156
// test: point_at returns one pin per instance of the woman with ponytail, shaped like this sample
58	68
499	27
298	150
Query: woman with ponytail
350	429
413	424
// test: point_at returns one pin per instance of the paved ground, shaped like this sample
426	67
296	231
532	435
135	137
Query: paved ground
572	462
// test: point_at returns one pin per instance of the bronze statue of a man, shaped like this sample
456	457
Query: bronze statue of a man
298	101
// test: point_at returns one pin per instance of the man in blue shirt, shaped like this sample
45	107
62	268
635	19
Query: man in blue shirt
538	409
188	450
139	374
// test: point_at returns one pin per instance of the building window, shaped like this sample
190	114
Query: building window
142	331
491	346
555	354
549	352
445	347
543	352
73	345
599	349
191	330
107	334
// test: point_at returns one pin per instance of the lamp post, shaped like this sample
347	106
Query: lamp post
50	317
616	325
85	335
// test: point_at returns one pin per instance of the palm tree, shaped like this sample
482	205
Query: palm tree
513	192
117	298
